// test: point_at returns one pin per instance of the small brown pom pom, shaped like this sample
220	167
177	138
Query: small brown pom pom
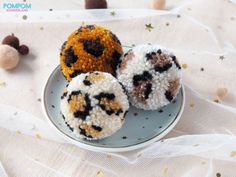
12	41
95	4
23	50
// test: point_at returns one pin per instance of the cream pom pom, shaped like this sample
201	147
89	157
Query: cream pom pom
221	92
158	4
9	57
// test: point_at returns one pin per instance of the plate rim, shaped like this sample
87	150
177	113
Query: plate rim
107	149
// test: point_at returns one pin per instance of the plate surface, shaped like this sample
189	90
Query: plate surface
141	127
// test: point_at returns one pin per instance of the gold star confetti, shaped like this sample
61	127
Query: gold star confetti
24	17
149	27
233	154
203	163
18	132
109	156
100	174
139	155
2	84
113	13
38	136
166	170
222	57
192	105
184	66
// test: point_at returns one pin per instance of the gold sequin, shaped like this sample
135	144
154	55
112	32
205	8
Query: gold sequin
222	57
184	66
233	154
2	84
139	155
109	156
113	13
38	136
24	17
166	170
100	173
192	105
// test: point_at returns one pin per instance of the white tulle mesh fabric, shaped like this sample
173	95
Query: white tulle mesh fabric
202	144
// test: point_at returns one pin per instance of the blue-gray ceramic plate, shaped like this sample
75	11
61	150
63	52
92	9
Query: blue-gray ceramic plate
140	129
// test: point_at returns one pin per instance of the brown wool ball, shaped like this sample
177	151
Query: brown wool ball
12	41
95	4
158	4
9	57
23	50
